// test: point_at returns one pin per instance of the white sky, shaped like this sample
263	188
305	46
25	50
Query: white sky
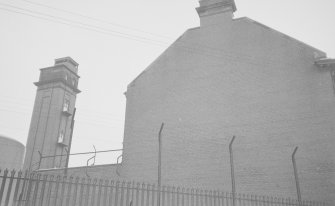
111	58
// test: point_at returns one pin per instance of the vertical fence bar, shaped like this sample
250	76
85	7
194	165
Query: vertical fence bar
168	196
128	193
17	187
222	199
177	196
148	194
163	196
153	194
270	201
81	191
93	191
123	185
25	179
243	199
173	196
116	200
30	185
9	190
287	202
187	197
142	194
69	192
182	197
62	190
99	192
110	202
215	198
44	181
49	190
192	197
4	178
37	183
82	186
137	202
56	189
104	203
206	198
88	188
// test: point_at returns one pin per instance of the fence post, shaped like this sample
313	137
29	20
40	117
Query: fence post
232	169
159	165
296	176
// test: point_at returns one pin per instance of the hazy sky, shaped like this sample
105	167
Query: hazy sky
113	41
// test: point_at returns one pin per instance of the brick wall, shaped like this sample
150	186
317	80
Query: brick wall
238	78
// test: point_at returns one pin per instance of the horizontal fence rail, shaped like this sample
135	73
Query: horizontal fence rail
30	189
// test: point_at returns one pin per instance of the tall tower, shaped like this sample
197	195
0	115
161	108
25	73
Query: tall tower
50	126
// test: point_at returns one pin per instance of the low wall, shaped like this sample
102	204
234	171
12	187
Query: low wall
109	171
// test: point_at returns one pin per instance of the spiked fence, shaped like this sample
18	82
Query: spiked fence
30	189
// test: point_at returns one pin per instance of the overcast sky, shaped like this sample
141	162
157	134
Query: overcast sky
113	41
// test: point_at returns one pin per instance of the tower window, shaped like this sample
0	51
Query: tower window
66	106
74	83
61	137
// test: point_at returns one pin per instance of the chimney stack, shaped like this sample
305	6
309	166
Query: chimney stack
215	11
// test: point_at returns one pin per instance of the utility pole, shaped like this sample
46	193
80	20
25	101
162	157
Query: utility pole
232	169
296	176
159	164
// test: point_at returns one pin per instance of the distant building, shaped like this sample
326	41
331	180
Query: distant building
12	152
234	77
50	127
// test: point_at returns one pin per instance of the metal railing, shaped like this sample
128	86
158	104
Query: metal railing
30	189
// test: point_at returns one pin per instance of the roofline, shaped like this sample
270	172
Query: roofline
58	66
152	63
68	57
276	31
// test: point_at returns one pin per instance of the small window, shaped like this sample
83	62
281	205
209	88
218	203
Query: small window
61	137
74	83
66	106
66	77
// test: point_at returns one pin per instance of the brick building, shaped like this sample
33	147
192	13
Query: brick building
50	126
228	77
234	77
